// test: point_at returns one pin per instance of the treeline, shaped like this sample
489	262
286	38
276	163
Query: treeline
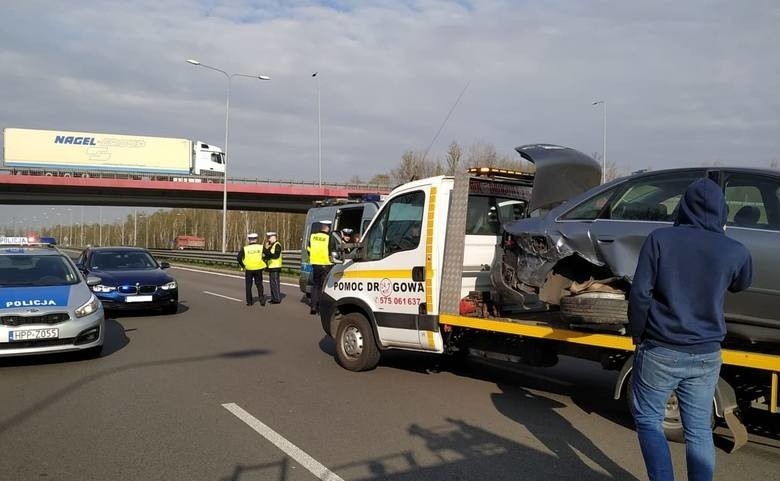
158	230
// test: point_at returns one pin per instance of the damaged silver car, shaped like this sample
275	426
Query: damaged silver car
579	255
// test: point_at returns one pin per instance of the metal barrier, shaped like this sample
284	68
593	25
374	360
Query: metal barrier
290	259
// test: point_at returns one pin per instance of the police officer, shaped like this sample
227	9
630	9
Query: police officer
250	258
272	255
347	237
320	245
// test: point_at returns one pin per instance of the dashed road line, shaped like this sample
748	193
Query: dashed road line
220	295
301	457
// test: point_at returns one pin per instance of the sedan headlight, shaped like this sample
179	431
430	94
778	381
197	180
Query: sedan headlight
102	288
92	305
169	286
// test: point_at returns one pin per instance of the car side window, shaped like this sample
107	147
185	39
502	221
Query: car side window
398	228
652	199
591	208
753	201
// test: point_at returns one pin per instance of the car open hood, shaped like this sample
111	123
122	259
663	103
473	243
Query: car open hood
561	173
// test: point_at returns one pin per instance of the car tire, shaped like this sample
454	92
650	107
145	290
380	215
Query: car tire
356	348
170	310
595	308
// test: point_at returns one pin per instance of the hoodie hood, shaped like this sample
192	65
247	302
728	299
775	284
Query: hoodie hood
703	206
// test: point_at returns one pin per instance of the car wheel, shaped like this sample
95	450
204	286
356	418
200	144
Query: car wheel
170	310
356	349
595	308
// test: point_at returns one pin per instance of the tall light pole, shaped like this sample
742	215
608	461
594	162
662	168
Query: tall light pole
319	131
70	227
604	151
229	77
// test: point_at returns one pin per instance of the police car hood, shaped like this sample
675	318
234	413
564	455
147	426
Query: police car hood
146	277
42	299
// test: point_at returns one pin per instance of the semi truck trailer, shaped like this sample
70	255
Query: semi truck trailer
87	154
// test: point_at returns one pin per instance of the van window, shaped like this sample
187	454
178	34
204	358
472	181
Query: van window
398	227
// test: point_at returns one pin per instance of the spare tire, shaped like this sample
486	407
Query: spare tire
595	308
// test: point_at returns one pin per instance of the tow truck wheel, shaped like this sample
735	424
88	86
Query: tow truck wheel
356	348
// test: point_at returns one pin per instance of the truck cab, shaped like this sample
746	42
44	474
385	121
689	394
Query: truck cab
391	282
207	159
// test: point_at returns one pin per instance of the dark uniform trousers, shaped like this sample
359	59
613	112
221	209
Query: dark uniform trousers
257	278
320	273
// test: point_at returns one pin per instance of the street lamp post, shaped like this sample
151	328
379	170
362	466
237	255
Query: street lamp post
229	77
319	131
604	151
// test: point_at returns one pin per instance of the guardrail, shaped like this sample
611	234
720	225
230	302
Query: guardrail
290	259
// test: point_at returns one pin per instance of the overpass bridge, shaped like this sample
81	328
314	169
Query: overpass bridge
140	190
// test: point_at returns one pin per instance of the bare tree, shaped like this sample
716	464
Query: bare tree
453	158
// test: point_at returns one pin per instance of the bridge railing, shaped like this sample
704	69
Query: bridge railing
198	179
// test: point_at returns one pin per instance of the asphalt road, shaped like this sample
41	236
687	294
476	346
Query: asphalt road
202	394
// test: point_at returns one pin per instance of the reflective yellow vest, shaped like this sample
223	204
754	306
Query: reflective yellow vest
253	257
275	263
318	249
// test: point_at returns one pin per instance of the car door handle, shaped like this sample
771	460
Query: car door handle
606	240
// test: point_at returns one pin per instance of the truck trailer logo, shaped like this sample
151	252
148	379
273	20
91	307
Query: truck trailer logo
71	140
102	147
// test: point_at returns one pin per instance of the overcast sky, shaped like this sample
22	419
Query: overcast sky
685	83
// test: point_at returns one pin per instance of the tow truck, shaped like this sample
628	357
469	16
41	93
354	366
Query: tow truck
416	282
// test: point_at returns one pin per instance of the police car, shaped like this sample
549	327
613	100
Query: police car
46	305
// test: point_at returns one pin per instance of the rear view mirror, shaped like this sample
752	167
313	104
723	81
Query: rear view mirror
164	265
93	280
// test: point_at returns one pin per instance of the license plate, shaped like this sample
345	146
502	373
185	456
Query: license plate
139	298
31	334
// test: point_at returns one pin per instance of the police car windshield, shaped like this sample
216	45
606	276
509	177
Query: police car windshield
36	270
121	261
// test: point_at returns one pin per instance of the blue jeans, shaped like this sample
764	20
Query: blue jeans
658	372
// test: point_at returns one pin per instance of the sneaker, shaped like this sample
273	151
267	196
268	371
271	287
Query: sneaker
276	302
313	312
262	302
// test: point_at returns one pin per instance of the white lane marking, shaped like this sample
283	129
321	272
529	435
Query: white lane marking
291	450
227	275
220	295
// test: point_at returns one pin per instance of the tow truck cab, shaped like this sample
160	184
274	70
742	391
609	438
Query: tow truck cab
392	279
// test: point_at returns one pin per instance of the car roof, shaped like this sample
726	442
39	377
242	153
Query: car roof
117	249
29	250
746	170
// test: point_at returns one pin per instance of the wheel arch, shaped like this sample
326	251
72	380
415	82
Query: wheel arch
349	305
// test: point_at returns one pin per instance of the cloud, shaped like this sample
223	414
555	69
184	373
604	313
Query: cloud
685	82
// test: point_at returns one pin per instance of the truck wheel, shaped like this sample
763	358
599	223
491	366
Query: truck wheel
356	348
595	308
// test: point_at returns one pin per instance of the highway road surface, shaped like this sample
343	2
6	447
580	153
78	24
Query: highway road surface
225	392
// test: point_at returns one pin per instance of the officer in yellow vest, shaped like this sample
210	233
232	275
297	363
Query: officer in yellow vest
250	258
272	255
320	245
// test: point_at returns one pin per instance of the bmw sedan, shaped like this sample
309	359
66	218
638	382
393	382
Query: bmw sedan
131	279
580	254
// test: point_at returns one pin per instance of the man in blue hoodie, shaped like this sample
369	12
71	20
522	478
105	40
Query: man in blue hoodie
676	319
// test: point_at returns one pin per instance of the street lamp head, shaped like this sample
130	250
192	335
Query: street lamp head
597	102
264	77
193	61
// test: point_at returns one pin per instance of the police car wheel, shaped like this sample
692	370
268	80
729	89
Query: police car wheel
356	349
170	310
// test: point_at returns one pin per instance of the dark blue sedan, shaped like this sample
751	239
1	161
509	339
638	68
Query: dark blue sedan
130	279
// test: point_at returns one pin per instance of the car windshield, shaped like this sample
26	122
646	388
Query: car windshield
36	270
121	261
